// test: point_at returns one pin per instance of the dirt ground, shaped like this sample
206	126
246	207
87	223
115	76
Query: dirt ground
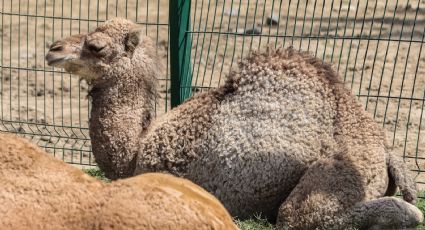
376	46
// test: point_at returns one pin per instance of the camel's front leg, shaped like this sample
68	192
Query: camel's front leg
399	174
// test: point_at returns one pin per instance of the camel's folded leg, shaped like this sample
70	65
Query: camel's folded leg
381	213
385	213
322	196
399	174
332	193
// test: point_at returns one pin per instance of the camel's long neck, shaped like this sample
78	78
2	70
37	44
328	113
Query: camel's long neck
121	112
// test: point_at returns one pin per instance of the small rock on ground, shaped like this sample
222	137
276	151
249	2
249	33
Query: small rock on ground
250	31
272	20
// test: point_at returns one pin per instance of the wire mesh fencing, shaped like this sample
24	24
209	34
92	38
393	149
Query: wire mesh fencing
46	104
376	46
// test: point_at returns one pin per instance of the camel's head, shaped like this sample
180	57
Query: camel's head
108	49
65	52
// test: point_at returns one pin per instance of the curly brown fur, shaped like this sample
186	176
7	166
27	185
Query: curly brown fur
248	142
333	195
40	192
357	173
123	88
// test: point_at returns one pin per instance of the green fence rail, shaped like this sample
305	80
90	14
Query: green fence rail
180	45
375	45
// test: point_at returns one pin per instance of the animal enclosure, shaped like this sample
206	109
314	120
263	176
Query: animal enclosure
376	47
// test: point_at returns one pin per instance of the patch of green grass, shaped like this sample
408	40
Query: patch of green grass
97	173
256	223
421	205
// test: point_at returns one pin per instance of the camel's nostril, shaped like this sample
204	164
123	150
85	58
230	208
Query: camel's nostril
48	57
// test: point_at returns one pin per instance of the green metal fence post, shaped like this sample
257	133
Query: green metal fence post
180	45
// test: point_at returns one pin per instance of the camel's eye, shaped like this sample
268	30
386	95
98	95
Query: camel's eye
96	47
56	48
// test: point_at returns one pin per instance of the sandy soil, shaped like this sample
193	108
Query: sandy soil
376	46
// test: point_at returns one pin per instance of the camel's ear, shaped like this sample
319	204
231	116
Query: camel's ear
133	39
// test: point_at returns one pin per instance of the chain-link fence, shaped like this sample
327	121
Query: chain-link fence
376	46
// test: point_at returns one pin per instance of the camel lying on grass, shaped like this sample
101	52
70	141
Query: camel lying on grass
259	143
40	192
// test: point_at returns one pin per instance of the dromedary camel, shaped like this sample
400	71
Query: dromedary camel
248	142
39	192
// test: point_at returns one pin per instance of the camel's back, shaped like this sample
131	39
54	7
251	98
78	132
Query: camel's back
264	135
160	201
279	101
